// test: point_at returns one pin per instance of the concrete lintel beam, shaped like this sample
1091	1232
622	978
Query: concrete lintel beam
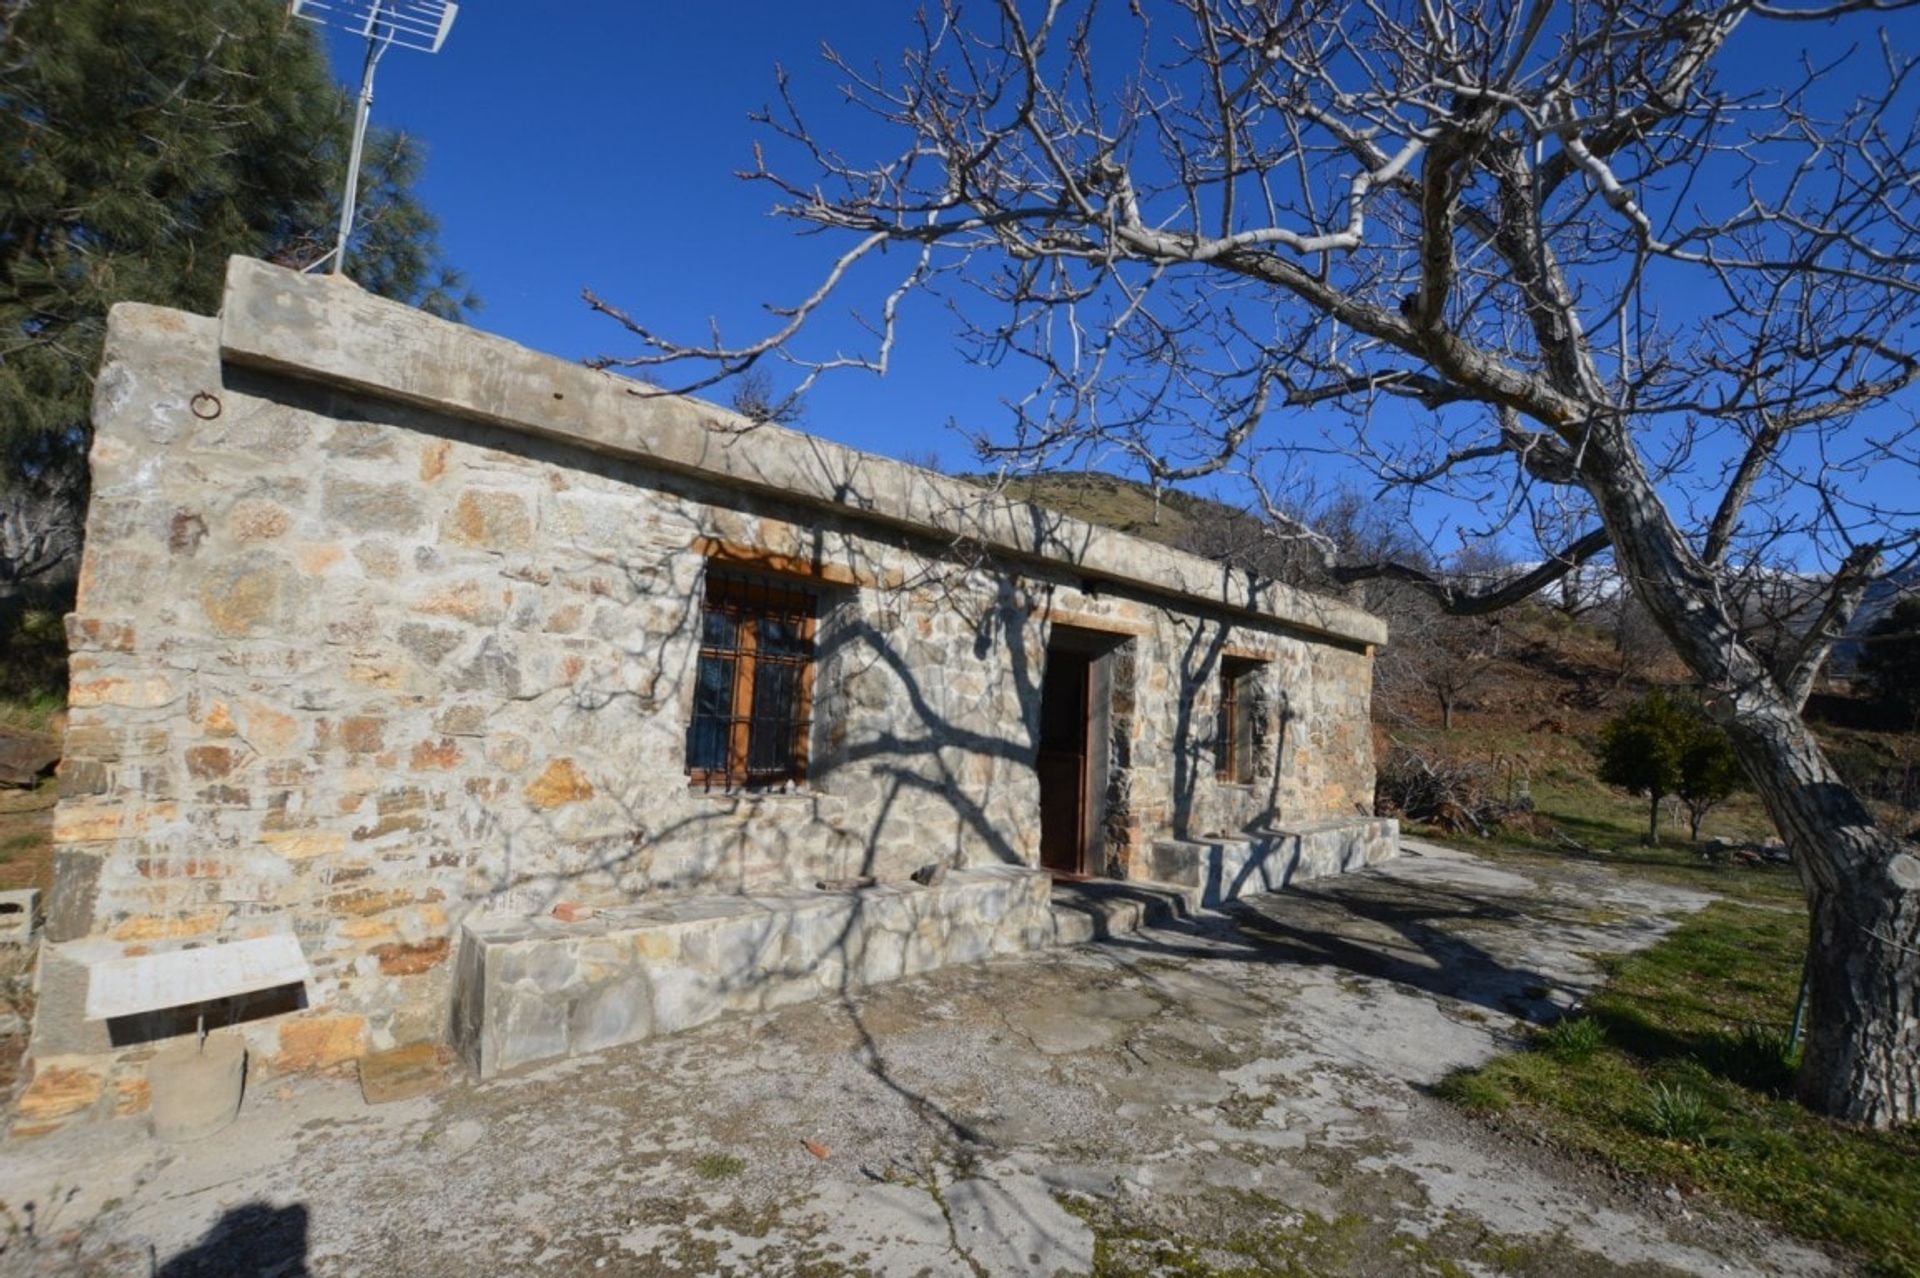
321	328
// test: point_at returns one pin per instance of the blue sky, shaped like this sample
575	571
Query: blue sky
594	143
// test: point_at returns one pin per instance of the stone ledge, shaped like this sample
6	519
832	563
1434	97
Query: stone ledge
323	329
1269	860
537	989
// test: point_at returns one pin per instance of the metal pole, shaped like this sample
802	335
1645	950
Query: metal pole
351	196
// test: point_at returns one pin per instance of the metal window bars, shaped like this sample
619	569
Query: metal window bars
753	688
1235	747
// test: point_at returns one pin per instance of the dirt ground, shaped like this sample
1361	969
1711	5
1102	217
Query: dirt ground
1244	1093
26	843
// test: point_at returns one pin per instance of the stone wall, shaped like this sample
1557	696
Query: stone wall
358	663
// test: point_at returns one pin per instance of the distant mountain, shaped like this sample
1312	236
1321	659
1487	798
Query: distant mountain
1880	599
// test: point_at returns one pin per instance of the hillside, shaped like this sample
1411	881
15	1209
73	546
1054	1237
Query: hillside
1126	504
1535	716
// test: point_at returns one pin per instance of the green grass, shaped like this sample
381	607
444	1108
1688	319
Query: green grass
1602	826
1690	1085
719	1166
1575	1041
33	666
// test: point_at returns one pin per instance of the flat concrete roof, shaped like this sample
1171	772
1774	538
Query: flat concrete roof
322	328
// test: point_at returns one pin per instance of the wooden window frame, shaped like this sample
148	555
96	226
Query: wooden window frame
1234	762
751	599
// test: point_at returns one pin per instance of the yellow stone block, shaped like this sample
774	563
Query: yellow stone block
301	845
321	1042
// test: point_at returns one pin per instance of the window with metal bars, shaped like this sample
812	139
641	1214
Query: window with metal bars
1235	749
753	689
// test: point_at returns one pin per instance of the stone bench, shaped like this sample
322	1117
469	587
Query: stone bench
1269	860
538	989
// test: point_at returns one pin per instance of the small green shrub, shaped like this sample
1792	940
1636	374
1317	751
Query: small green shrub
1575	1040
1759	1056
1678	1113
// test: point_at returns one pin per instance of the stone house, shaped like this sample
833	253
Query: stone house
396	638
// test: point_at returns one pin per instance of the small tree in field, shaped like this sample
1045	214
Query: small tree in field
1640	753
1709	771
1663	745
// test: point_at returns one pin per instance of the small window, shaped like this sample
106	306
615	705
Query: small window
753	690
1235	752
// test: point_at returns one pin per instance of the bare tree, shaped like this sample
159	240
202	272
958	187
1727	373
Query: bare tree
1451	657
755	399
1638	641
1622	253
40	529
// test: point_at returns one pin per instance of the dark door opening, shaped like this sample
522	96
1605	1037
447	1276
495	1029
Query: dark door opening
1063	761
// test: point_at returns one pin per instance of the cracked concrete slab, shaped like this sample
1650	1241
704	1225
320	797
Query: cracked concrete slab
1246	1091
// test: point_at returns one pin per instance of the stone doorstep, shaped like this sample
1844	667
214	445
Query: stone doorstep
1269	860
1087	910
536	989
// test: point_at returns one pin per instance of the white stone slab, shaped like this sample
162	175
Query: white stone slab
18	909
150	982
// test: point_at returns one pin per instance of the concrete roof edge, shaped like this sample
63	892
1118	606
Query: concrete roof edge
325	329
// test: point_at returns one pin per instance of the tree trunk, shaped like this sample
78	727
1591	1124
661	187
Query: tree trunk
1446	713
1653	822
1862	1060
1695	816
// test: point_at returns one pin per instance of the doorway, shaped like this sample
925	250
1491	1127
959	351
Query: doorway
1063	760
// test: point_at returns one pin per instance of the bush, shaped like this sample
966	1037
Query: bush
1454	797
1677	1113
1891	659
1574	1041
1759	1056
1665	745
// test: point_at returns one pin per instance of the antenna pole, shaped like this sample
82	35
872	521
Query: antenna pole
420	25
376	45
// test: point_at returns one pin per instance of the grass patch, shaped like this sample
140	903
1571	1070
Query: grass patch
33	665
1575	1040
1608	828
1688	1082
719	1166
26	836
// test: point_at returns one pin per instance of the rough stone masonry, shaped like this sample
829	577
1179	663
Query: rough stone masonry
389	635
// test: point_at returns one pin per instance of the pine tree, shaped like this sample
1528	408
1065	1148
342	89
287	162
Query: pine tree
142	142
1891	660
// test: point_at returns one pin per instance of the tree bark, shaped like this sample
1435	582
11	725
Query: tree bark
1653	821
1865	962
1862	1060
1446	713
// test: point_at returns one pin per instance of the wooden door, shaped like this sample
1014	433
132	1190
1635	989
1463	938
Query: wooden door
1062	761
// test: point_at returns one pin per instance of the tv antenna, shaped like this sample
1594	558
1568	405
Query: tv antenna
420	25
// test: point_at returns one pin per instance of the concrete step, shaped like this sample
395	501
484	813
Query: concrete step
1095	909
1221	869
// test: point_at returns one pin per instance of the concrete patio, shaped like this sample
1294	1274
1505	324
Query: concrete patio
1255	1078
